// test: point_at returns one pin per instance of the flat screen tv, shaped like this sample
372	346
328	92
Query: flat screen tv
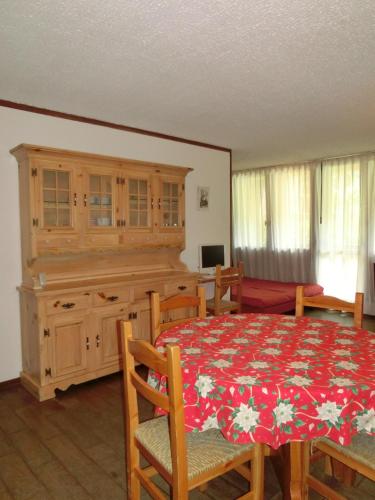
210	256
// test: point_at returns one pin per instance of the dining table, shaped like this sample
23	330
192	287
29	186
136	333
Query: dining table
275	379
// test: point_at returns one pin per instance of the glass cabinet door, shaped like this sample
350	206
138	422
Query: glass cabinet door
100	201
139	205
170	205
57	199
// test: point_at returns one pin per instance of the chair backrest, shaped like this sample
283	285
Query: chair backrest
143	352
328	302
225	278
183	302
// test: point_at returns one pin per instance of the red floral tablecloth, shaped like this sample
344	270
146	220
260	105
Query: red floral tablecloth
273	378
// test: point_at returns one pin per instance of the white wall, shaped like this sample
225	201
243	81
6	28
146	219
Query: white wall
211	168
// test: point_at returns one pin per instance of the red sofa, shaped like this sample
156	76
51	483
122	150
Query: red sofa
268	296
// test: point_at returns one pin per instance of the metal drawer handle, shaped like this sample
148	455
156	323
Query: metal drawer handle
68	305
182	287
112	298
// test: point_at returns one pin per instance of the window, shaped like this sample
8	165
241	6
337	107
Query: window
249	204
277	201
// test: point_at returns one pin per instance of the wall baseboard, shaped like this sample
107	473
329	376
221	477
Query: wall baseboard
7	384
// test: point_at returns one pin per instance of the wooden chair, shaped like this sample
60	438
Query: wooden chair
328	302
184	460
172	304
348	474
224	279
358	456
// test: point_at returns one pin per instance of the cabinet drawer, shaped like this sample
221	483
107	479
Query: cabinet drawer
182	286
47	241
67	303
111	296
143	291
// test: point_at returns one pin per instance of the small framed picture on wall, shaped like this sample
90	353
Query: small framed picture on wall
203	198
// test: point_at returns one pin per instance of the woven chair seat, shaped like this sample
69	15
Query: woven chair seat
205	450
361	449
224	304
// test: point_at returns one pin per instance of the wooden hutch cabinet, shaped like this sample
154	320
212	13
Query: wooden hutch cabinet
98	235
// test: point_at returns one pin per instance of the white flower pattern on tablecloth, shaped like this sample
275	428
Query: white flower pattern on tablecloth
273	341
259	364
313	340
246	380
305	352
299	365
341	381
347	365
341	352
228	351
271	351
192	350
245	417
283	412
204	385
366	421
171	340
210	423
222	363
344	341
347	332
299	381
329	411
210	340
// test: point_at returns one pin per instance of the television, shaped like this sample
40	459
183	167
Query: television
210	256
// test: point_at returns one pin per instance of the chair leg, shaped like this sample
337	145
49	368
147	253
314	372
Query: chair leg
342	472
133	463
177	494
306	452
349	476
257	472
134	486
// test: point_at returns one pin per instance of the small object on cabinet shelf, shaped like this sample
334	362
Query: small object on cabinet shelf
203	198
103	221
42	279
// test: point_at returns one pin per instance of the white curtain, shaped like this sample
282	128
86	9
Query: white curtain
366	264
346	234
339	227
274	221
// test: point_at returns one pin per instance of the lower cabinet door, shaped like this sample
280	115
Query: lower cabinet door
68	346
140	317
106	334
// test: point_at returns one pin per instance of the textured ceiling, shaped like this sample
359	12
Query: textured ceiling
276	81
